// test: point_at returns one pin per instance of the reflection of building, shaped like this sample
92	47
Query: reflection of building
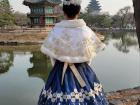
41	66
43	12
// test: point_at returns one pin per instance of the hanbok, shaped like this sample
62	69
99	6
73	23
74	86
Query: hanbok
71	46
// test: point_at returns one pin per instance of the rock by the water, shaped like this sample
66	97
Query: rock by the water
125	97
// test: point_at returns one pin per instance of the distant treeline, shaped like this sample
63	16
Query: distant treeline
9	18
94	17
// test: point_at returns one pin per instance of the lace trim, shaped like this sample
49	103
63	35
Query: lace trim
73	96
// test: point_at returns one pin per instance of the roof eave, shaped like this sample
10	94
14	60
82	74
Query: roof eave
41	2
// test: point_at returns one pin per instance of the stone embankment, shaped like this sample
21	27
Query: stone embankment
23	36
22	39
125	97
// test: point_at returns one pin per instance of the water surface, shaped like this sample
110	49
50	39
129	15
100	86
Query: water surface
24	69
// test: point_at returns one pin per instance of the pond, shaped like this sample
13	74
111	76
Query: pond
24	69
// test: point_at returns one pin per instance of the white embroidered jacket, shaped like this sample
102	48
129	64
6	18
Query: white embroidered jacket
72	41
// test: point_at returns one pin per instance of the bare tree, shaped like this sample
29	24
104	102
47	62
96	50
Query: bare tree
123	14
21	19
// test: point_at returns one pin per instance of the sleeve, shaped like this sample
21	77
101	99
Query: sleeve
43	49
99	45
45	42
52	61
89	62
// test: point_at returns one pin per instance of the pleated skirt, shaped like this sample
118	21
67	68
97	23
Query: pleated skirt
71	92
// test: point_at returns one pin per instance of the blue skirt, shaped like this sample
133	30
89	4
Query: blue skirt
71	92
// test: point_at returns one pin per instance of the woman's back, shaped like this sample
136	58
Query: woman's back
71	41
71	44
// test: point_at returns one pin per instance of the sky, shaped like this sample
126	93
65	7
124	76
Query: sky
111	6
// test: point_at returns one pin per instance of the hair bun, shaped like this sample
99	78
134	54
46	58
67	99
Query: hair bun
75	2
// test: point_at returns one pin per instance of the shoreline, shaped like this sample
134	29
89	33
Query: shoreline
31	42
27	39
129	96
20	42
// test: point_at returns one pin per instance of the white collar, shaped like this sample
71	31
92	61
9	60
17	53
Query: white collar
71	23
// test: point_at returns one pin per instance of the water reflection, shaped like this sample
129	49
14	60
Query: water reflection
41	66
6	61
124	40
24	69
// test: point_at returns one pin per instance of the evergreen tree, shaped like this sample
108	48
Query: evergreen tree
94	6
6	15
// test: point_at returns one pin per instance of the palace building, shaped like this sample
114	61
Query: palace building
43	12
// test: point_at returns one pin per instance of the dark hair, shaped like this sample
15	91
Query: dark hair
71	10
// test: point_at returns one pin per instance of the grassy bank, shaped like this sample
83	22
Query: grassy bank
22	39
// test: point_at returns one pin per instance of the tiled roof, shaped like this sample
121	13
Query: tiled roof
38	1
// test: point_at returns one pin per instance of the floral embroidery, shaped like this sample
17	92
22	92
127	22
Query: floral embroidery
73	96
88	43
58	46
72	41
